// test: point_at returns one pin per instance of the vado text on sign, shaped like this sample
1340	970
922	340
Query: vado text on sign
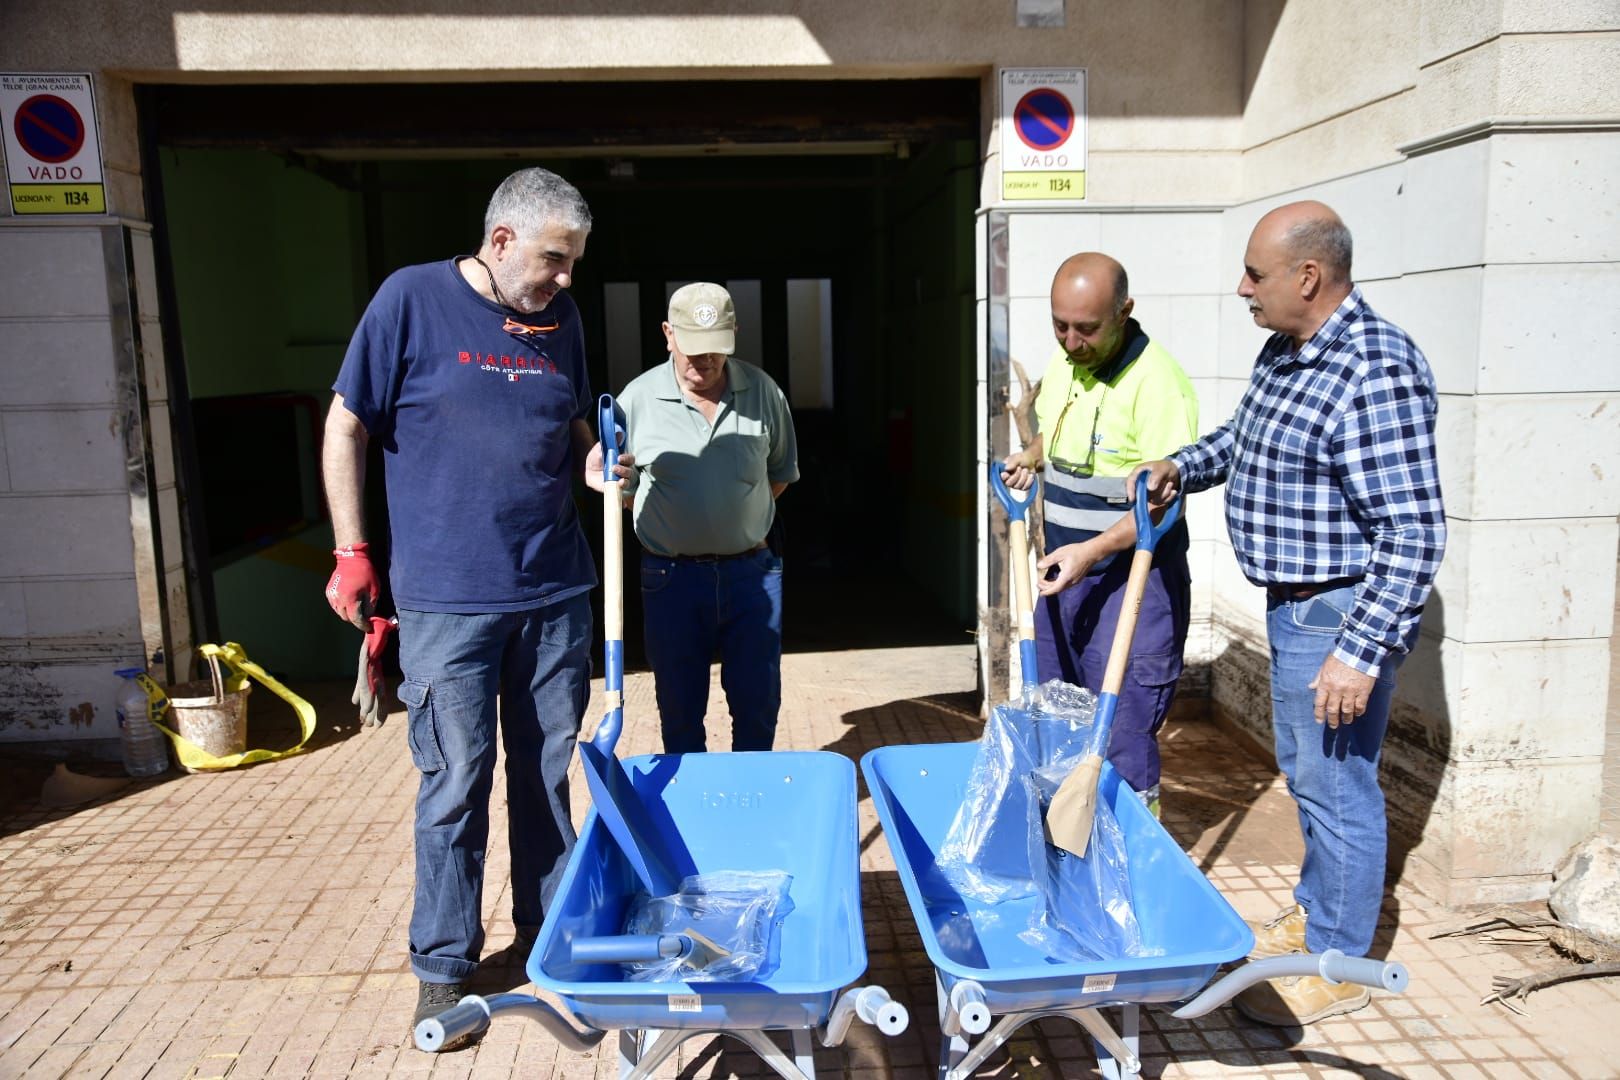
1043	133
52	146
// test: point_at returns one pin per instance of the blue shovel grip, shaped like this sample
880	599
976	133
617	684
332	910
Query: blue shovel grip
1147	533
609	417
1016	507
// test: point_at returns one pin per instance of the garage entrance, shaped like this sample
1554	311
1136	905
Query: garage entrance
838	213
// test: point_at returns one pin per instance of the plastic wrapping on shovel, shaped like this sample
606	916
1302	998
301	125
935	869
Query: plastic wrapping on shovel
987	852
741	911
1087	905
996	848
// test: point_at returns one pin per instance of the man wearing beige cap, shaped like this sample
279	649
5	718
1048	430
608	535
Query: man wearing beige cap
712	440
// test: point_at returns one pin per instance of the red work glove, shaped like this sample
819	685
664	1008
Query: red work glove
352	589
368	683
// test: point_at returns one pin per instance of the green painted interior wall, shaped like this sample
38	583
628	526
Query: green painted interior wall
269	276
929	322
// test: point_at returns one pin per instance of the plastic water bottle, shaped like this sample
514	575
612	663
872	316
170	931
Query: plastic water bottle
144	751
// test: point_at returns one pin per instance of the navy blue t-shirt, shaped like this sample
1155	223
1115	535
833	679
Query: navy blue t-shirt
473	413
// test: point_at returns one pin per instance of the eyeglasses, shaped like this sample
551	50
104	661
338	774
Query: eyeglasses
1074	468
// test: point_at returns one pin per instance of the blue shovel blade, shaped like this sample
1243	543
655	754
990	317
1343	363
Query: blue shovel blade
620	807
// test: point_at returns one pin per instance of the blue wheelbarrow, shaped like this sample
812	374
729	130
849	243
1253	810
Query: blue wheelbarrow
662	818
714	812
985	970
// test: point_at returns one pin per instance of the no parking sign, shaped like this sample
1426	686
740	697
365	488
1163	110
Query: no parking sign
53	153
1043	133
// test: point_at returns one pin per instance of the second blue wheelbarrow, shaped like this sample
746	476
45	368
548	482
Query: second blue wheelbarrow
986	968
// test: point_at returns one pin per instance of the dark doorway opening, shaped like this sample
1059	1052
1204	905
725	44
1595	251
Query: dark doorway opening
842	212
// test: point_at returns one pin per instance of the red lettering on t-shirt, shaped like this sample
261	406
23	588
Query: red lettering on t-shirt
466	357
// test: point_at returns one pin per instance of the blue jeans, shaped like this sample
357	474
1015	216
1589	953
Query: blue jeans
690	609
1074	633
536	665
1332	774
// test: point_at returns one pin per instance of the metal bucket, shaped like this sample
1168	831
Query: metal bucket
209	715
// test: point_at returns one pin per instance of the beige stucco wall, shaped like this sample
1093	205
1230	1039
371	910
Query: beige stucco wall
1190	102
1351	87
1161	129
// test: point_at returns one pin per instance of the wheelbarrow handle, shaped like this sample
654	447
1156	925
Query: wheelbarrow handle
1332	965
869	1004
472	1014
1016	507
467	1017
1147	533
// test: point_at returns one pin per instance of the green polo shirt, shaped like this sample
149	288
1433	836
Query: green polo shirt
702	489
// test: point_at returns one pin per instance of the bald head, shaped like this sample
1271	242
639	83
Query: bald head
1310	230
1296	269
1091	302
1094	270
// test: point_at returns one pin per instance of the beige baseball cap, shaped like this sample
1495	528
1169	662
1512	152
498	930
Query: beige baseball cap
703	318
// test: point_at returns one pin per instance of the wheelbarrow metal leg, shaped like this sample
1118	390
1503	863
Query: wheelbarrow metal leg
1116	1054
655	1049
1000	1033
804	1054
773	1056
642	1052
953	1045
629	1051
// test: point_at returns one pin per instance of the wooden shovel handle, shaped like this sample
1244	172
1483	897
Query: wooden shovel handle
612	562
1018	551
1119	654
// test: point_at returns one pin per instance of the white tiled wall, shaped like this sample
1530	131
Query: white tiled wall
1523	580
1546	329
68	600
1441	310
1552	198
1518	821
1444	210
65	449
1546	456
52	273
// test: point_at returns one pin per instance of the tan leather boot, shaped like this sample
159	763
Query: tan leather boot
1301	1000
1281	934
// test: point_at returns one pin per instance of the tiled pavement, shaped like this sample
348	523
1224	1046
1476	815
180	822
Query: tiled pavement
252	923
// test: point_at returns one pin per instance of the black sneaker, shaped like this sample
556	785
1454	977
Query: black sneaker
433	999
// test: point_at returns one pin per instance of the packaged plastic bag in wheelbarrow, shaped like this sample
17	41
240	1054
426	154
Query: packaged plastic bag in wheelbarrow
731	916
997	850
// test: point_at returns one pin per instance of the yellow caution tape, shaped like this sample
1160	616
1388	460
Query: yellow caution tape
234	657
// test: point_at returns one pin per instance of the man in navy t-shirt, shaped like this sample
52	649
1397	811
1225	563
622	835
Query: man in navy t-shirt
470	373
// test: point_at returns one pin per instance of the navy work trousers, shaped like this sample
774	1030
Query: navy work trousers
1074	631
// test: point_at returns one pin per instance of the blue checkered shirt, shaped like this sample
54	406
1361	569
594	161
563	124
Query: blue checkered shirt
1329	465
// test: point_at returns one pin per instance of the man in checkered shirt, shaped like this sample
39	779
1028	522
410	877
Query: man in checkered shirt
1333	505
